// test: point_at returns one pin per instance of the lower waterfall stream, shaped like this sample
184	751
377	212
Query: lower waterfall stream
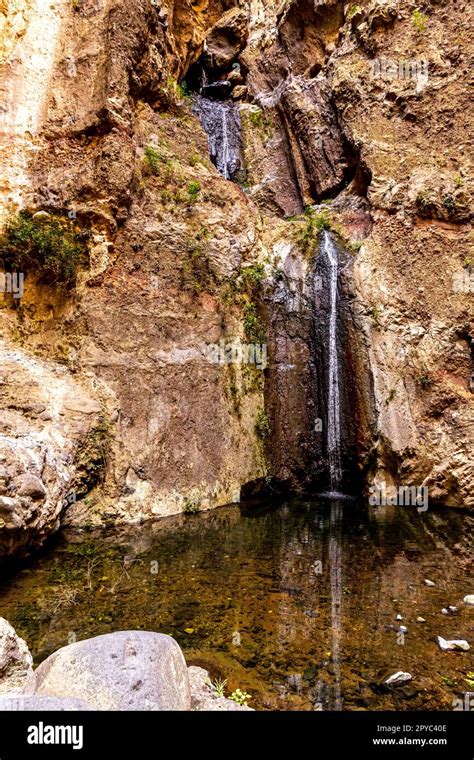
333	412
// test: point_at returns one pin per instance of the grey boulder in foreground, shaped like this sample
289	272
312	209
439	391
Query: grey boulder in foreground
126	670
25	702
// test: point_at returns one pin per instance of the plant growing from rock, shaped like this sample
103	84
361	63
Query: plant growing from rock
152	159
190	506
218	686
52	246
254	329
262	424
240	697
419	20
193	189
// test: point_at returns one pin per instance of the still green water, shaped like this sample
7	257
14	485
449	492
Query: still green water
295	602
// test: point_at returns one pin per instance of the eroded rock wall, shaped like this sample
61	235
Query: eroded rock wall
95	125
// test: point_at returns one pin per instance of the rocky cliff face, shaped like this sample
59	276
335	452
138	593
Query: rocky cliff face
355	108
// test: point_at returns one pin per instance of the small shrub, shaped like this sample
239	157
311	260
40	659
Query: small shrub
194	159
152	159
251	278
50	245
353	10
240	697
190	506
253	328
457	180
264	123
196	272
194	188
375	313
314	223
419	20
423	199
448	202
262	424
424	381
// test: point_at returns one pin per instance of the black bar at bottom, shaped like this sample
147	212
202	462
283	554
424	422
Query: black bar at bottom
139	735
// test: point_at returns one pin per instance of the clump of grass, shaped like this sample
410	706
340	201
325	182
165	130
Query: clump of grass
49	245
419	20
262	424
218	686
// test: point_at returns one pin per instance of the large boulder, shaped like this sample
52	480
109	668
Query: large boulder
26	702
16	662
126	670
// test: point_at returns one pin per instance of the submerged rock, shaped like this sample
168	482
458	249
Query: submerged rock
16	662
446	645
126	670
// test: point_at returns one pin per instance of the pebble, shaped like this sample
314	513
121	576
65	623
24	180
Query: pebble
398	678
469	599
428	583
399	617
420	620
446	645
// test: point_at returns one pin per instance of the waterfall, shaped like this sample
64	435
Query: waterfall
333	420
221	122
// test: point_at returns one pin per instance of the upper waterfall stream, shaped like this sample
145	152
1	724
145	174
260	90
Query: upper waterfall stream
221	122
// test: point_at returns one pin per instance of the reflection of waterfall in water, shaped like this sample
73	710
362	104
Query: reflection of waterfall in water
333	423
335	580
221	122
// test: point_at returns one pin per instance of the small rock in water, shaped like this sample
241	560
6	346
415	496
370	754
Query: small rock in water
452	609
469	599
398	678
420	619
399	617
403	629
446	645
428	583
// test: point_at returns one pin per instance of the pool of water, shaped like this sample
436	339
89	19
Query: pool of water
295	602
